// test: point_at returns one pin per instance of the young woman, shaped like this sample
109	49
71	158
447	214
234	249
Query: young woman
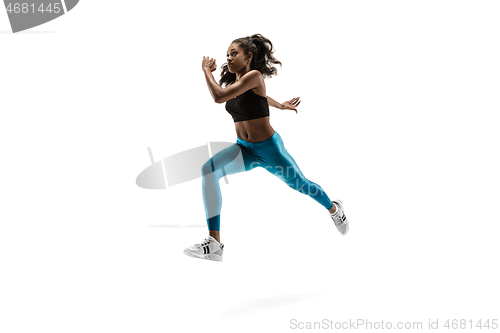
249	61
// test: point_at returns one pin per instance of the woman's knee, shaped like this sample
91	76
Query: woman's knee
207	168
297	184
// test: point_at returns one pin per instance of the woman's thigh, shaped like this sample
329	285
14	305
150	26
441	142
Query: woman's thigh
230	160
282	165
278	161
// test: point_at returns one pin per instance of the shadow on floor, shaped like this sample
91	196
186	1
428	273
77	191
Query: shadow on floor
267	303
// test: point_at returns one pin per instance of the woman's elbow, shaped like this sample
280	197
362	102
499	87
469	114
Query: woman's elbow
220	99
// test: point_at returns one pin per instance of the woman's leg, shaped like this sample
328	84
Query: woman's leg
281	164
226	162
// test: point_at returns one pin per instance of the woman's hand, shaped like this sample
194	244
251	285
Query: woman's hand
292	104
208	63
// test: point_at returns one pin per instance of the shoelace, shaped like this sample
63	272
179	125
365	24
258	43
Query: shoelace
205	242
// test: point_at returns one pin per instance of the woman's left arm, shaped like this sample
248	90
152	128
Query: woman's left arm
288	105
274	104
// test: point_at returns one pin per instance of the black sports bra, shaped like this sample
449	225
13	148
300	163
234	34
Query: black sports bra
247	106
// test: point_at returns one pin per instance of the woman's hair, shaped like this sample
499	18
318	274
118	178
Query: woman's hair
262	60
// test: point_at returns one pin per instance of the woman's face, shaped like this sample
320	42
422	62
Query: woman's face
236	59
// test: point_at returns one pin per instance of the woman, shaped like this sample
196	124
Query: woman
249	60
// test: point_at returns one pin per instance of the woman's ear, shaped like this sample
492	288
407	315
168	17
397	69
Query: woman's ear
250	56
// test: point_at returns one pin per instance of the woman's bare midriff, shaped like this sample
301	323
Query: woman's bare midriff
254	130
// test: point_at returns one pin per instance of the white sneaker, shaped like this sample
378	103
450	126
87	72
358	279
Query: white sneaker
339	218
209	249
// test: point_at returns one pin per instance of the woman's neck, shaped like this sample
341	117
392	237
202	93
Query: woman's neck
243	72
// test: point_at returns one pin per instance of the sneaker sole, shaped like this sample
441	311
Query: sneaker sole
213	257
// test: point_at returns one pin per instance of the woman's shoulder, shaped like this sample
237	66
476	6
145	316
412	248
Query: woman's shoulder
255	72
260	88
251	74
257	78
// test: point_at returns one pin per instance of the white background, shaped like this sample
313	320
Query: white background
398	120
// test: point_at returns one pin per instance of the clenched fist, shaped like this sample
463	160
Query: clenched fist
208	63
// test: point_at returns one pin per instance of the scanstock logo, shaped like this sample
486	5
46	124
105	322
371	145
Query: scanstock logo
26	14
184	166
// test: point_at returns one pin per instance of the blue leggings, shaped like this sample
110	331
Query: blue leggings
244	156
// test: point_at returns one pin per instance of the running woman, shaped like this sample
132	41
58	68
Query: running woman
249	61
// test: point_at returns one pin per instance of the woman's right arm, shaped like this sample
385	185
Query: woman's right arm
220	95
